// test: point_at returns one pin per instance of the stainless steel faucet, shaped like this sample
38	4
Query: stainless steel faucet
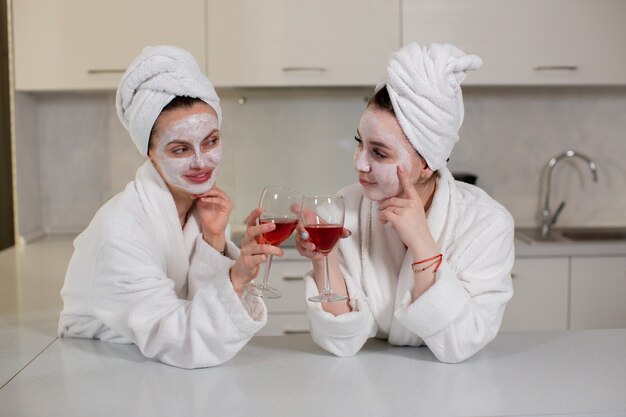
547	218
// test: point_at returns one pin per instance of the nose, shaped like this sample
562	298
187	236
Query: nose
360	161
198	161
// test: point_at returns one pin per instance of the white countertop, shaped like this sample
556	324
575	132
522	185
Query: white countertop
542	373
523	249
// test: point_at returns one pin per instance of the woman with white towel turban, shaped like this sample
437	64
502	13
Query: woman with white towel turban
428	260
155	267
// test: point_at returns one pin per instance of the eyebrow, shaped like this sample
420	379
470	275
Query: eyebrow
379	144
178	142
184	142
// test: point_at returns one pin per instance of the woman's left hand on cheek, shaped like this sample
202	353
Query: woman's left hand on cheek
405	213
214	210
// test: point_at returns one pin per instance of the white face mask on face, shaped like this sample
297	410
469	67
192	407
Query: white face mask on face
380	173
194	170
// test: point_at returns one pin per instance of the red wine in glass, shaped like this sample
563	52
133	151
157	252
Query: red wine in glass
322	217
324	236
282	207
284	228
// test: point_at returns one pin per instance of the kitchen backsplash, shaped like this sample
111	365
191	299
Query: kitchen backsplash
73	154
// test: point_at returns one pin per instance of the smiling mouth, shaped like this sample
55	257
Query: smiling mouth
200	177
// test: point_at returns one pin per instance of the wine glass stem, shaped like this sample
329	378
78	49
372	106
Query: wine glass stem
268	265
327	289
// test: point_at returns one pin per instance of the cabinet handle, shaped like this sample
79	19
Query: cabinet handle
106	71
294	69
556	68
291	332
292	278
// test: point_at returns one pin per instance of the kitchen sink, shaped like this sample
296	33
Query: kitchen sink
573	234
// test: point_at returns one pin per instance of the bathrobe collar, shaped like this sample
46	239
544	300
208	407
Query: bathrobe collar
386	244
158	203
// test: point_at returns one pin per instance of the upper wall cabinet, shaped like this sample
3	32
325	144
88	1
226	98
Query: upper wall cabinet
87	44
301	43
527	42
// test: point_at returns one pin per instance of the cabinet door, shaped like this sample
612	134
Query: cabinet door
287	277
598	293
280	324
287	314
300	43
539	300
529	42
87	44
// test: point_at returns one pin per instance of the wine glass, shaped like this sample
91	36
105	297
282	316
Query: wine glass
322	217
282	207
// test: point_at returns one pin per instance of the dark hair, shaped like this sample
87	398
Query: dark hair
381	100
176	103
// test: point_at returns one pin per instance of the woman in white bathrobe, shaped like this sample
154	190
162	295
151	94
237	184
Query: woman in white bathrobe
155	266
425	259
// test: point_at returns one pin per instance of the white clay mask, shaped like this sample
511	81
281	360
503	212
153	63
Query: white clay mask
381	127
193	166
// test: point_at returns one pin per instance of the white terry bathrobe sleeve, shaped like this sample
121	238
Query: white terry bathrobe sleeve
137	277
463	309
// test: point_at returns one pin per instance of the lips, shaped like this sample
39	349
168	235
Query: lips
364	182
199	177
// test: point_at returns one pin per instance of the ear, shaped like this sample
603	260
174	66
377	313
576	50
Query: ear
425	172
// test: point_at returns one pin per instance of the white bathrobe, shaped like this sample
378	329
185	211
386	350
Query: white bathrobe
137	277
463	309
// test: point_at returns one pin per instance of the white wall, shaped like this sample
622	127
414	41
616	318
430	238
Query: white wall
303	138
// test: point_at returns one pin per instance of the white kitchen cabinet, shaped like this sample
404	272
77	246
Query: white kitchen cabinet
540	295
529	42
598	295
301	43
87	44
287	314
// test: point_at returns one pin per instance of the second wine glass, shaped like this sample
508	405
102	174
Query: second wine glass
322	217
282	207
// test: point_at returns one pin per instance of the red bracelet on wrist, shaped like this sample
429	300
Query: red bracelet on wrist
437	259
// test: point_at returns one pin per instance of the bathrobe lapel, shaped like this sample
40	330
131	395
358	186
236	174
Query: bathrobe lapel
381	242
176	245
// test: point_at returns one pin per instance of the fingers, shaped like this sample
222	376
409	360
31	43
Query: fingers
393	202
296	208
305	247
255	249
251	220
213	192
345	233
255	230
222	203
308	215
407	186
388	215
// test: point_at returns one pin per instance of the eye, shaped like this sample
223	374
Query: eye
179	150
378	154
358	140
210	142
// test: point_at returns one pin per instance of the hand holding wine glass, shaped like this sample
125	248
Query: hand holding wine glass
322	217
253	254
280	206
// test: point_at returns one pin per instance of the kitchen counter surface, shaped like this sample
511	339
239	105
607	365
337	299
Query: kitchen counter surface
564	248
540	373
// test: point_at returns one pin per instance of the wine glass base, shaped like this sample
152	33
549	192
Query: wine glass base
327	298
263	291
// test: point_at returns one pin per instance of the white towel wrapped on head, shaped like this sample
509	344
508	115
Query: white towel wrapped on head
153	79
424	84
